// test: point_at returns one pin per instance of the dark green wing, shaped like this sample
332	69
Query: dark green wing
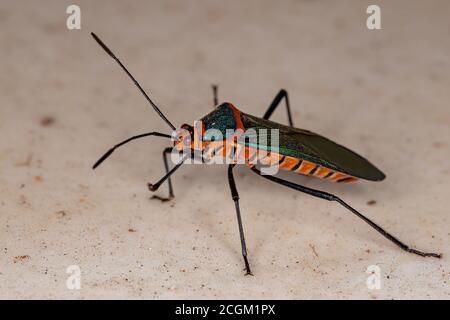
309	146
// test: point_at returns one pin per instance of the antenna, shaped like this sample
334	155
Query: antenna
108	51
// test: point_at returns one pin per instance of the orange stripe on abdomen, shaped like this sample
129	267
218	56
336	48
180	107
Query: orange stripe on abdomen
322	172
337	176
288	163
306	167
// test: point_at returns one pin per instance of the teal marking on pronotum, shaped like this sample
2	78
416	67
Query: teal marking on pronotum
301	146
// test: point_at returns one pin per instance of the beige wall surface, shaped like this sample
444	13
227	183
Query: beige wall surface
63	101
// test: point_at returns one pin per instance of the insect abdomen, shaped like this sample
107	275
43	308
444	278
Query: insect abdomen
297	165
311	169
251	155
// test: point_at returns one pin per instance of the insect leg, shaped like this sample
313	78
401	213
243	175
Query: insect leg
331	197
110	151
282	94
235	196
165	153
154	187
216	98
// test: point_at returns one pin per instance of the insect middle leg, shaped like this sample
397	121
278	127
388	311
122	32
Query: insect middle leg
332	197
235	196
276	102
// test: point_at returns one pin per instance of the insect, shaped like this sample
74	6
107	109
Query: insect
299	151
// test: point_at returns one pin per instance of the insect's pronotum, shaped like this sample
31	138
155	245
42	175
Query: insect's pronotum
299	151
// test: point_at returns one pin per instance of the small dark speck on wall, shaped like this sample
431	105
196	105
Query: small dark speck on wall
47	121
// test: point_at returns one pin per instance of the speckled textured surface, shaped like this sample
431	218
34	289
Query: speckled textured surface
382	93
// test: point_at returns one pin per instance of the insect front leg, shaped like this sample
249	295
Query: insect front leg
332	197
154	187
276	102
235	196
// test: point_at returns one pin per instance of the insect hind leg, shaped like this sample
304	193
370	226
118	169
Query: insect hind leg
235	196
331	197
215	95
276	102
